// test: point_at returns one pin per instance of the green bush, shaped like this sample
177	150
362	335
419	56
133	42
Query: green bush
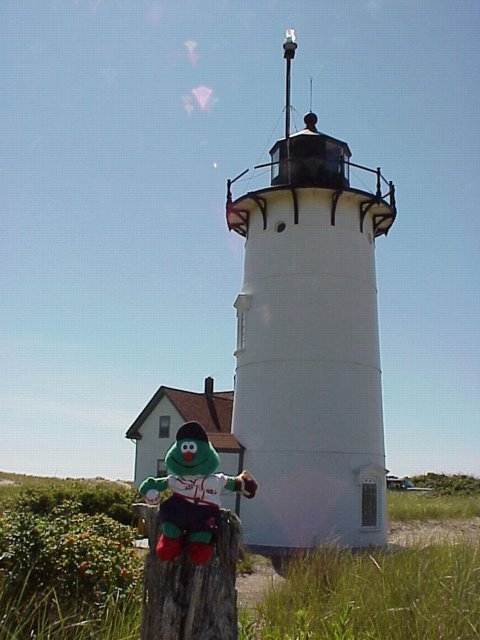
443	484
111	499
86	557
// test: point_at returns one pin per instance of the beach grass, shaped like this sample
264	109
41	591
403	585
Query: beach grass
411	505
421	592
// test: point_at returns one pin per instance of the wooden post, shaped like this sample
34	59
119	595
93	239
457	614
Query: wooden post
182	601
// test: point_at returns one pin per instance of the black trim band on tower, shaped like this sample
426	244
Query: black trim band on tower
379	219
364	209
335	199
262	205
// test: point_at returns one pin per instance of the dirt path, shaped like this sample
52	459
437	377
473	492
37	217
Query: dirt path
251	588
429	531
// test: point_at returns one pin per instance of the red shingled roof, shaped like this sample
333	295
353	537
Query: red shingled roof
195	406
225	442
213	411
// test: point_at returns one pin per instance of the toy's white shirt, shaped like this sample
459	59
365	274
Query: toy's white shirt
200	489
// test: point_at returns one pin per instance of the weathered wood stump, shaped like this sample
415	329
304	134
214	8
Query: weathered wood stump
182	601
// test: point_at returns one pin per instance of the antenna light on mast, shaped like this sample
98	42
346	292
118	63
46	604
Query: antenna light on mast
290	44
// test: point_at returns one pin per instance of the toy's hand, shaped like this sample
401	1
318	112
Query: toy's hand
250	485
151	488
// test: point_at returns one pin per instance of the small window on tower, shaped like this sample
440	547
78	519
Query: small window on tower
164	427
369	503
242	304
241	325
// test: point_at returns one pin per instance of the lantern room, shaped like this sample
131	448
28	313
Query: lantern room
310	159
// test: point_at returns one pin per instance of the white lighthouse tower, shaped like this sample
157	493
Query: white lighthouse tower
308	397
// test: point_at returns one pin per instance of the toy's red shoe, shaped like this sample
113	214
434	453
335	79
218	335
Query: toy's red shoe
199	552
168	548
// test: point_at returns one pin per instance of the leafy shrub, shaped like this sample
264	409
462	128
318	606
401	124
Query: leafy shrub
87	557
443	484
111	499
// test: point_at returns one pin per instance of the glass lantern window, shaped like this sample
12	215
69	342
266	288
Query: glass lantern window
333	156
275	164
346	166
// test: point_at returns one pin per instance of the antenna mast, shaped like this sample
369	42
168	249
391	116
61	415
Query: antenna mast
289	47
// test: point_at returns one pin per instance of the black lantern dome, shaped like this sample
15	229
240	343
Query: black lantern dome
310	159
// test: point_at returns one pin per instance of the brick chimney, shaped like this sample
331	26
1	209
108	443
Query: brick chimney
212	409
209	386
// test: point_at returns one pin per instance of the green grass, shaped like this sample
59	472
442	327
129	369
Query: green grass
46	618
10	492
245	563
412	505
23	481
29	482
428	593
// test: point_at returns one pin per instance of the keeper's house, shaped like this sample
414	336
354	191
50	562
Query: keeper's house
155	428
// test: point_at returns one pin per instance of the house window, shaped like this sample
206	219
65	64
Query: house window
161	469
164	427
369	502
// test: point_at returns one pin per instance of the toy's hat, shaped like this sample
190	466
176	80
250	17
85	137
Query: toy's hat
192	431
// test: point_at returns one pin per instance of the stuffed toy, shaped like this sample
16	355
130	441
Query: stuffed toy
190	516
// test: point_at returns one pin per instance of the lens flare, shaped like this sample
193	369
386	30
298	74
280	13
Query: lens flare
203	97
193	56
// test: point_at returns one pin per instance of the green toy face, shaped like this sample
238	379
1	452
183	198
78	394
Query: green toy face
192	458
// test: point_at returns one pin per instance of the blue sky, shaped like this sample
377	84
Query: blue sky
120	121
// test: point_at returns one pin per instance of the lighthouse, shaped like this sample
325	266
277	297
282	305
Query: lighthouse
308	395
